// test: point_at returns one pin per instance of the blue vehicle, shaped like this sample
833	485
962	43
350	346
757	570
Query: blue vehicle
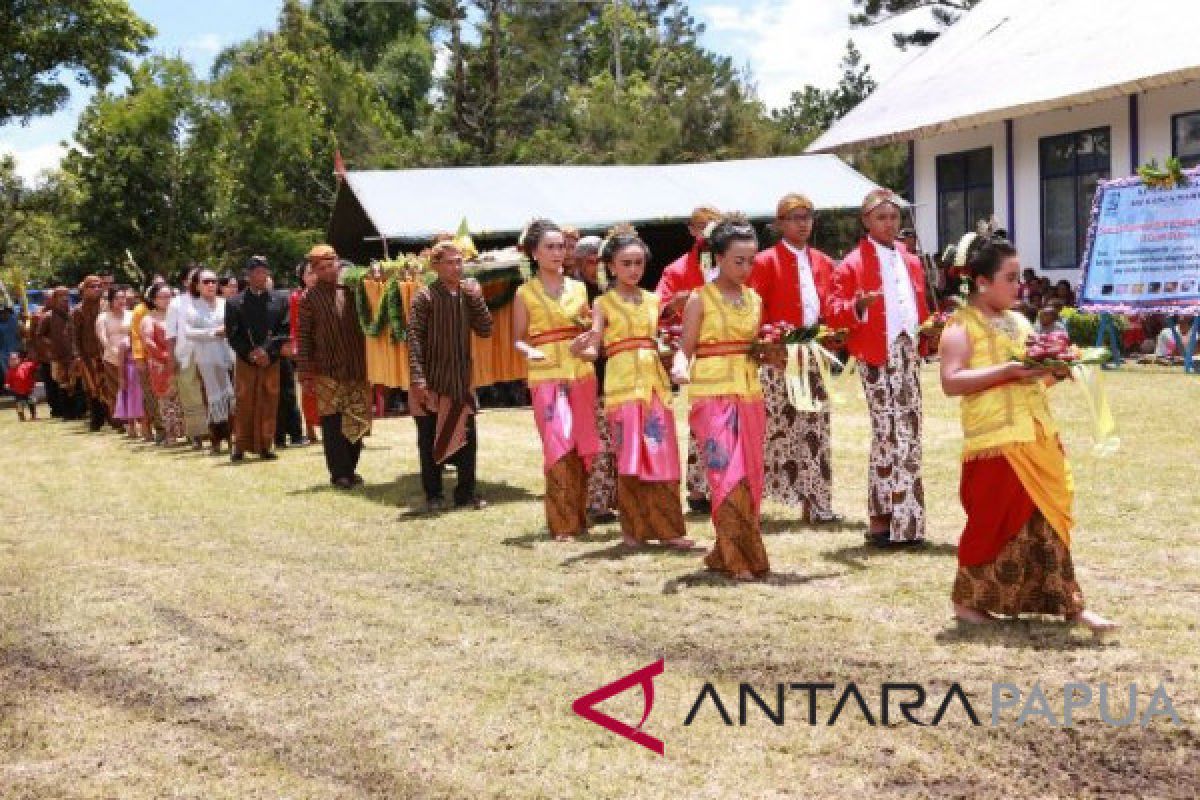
36	298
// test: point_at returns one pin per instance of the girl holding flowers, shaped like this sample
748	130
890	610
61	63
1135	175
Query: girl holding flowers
1014	556
637	399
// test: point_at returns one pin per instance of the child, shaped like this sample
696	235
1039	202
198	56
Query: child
637	399
720	326
20	381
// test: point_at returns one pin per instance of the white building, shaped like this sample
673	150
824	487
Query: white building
1020	107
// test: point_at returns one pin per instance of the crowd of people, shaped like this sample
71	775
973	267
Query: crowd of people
194	365
190	365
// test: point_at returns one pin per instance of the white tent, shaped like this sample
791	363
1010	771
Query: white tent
416	204
1010	58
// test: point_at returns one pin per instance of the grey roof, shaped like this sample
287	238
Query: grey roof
419	203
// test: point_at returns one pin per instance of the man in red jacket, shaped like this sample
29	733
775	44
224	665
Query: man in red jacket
679	279
879	296
794	282
691	270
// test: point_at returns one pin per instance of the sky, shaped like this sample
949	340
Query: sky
785	44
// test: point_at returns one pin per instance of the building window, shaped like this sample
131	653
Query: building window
1071	165
1185	138
964	193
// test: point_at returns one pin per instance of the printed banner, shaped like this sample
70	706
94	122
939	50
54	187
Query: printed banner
1143	248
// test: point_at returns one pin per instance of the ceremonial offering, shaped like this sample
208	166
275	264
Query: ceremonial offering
1054	350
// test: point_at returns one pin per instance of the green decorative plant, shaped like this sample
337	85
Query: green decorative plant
1167	177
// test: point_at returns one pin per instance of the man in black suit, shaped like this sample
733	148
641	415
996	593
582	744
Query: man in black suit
256	325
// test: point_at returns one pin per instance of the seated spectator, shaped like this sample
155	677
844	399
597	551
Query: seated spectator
1048	320
1166	346
1064	293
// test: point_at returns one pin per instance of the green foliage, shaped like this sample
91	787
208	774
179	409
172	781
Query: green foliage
812	110
144	165
549	82
945	14
392	43
288	101
40	39
38	236
1082	328
176	169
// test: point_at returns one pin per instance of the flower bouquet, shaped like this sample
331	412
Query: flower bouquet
774	338
1054	351
932	328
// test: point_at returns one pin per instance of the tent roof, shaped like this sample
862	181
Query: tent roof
419	203
1012	58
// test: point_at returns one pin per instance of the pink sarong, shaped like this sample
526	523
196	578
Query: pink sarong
729	435
644	440
565	412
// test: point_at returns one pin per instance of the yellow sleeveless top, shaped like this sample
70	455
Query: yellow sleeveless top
632	374
549	315
735	374
1003	414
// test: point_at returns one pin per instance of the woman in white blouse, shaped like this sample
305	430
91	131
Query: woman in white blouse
204	329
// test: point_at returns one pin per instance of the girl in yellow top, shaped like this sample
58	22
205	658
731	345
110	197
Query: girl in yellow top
720	326
551	325
1014	555
637	399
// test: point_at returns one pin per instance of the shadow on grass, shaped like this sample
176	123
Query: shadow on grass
855	556
1027	633
779	525
528	540
619	551
406	494
50	666
717	580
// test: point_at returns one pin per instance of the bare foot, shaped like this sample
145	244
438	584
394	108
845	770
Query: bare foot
972	616
1094	621
745	576
681	543
563	538
631	542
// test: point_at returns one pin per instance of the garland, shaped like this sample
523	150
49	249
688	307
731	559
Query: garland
509	279
391	306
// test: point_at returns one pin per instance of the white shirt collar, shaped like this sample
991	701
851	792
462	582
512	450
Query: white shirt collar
883	248
799	252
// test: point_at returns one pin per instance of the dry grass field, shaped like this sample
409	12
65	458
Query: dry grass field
172	625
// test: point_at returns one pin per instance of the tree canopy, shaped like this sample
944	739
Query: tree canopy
944	12
41	39
175	167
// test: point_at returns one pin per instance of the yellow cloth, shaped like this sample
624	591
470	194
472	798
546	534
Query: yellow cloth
1044	472
548	314
1008	413
493	360
732	375
136	345
632	374
387	360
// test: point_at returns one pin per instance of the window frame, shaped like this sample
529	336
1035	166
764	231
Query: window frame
1175	118
965	188
1075	173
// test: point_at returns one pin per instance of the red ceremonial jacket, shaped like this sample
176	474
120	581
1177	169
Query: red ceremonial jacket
860	272
681	275
776	278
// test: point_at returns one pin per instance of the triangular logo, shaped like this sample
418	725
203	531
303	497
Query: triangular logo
586	706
